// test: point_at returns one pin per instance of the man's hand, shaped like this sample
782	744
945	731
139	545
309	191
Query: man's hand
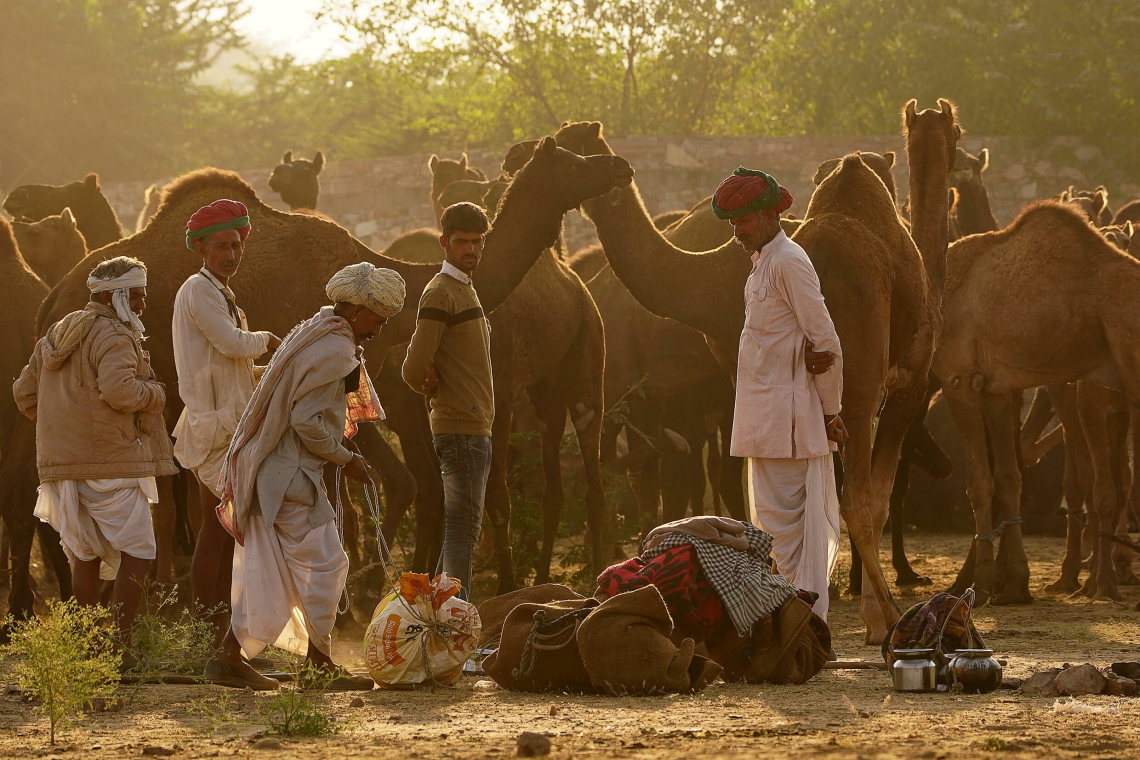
273	343
818	362
430	383
836	432
358	469
350	444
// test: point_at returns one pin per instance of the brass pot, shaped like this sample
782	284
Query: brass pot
976	670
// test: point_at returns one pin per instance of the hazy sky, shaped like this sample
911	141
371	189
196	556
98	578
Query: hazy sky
287	26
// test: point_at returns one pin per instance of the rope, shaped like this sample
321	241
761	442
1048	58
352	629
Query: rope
540	630
993	534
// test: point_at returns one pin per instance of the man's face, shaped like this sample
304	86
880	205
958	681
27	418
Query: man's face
136	302
221	252
754	230
464	250
366	324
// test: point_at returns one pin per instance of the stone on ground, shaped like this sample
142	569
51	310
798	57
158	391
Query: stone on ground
531	744
1080	680
1041	684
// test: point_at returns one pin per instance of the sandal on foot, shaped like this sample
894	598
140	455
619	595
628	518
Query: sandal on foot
238	676
349	682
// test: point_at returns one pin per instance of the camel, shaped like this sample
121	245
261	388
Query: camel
19	307
1129	212
485	193
51	246
973	212
297	180
665	219
93	214
444	171
151	198
1074	298
1092	203
275	298
705	291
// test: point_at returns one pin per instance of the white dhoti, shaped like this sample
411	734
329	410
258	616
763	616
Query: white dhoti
795	501
209	473
287	583
101	519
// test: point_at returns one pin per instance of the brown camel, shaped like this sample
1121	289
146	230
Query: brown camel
152	196
705	291
880	164
1129	212
275	298
485	193
93	214
444	171
1094	204
51	246
26	291
297	180
666	218
1074	298
973	212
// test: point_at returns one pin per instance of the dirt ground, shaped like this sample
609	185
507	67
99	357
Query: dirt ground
837	714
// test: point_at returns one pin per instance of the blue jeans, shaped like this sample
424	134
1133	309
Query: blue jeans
464	462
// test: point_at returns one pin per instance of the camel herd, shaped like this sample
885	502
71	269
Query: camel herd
929	298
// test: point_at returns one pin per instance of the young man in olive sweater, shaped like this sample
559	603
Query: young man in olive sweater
449	361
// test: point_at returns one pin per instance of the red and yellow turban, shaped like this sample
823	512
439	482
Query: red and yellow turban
219	215
748	190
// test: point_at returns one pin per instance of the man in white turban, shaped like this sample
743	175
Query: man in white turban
100	438
289	564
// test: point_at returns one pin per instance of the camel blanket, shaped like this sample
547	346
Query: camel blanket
795	501
101	518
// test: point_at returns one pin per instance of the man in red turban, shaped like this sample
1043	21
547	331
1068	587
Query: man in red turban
787	415
214	351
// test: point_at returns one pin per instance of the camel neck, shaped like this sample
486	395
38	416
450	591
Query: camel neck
930	221
974	212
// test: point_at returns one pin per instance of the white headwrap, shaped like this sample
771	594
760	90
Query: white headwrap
378	290
120	288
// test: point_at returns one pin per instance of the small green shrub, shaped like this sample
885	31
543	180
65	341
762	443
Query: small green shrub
166	639
298	709
65	660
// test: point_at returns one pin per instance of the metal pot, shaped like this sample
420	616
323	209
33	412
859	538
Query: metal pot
976	670
914	670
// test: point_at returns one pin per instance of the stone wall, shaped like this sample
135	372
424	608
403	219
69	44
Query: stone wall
380	198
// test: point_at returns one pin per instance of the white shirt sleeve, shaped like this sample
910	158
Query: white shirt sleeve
211	314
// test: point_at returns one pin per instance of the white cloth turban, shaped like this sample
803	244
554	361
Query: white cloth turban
378	290
120	288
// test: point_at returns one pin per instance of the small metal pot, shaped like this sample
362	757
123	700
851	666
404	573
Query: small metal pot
914	670
976	670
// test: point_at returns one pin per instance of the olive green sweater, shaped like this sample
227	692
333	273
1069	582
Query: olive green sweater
452	335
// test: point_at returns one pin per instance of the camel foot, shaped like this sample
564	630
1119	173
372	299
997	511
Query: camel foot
854	589
981	596
1107	593
1131	580
1063	585
874	638
911	578
1012	596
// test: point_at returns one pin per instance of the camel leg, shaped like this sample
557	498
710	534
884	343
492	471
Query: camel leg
18	482
165	518
713	463
1001	413
498	498
1093	402
551	413
732	471
1124	560
395	478
1064	397
966	406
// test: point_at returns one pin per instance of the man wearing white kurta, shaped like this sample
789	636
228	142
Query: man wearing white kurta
213	353
787	418
289	565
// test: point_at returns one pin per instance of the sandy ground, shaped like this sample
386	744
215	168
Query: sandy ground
837	714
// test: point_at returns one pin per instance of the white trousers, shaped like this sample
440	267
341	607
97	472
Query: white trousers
287	583
209	473
795	501
101	519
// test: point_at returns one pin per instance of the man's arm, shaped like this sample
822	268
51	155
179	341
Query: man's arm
214	320
27	386
116	370
431	322
311	421
797	282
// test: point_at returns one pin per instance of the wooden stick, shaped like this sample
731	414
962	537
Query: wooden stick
854	665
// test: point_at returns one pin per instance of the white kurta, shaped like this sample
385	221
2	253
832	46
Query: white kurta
779	417
213	353
101	519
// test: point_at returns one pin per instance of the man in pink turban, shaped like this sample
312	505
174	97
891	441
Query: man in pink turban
213	353
787	395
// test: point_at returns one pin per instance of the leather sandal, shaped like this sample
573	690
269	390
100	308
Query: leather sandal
238	676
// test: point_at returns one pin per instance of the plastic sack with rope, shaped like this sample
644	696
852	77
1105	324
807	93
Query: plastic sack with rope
421	633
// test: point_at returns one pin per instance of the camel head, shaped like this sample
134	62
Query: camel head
444	171
852	187
517	155
581	137
968	169
1121	235
296	180
565	178
51	246
931	135
1092	203
31	203
879	164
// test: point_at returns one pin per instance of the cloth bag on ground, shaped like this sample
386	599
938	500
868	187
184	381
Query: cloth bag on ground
942	623
790	645
538	648
626	648
494	611
421	633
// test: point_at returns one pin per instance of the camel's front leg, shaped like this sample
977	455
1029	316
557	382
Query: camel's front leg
1064	396
1001	417
1092	401
965	404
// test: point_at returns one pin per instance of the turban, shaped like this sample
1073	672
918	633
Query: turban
748	190
219	215
120	288
378	290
